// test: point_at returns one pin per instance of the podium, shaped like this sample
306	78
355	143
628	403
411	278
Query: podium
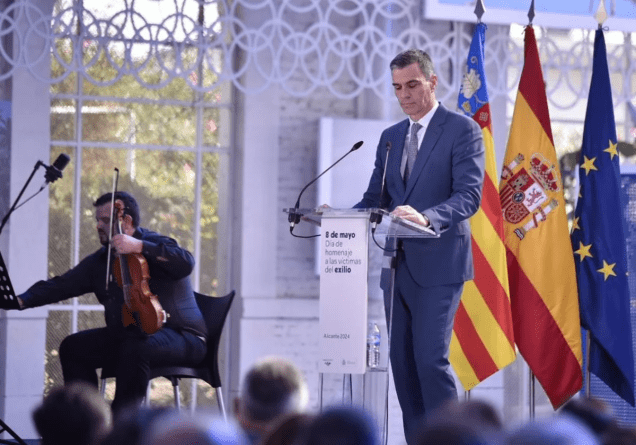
347	235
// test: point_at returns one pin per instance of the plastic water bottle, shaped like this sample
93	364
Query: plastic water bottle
373	345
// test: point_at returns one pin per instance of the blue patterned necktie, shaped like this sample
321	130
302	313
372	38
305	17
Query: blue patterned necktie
411	151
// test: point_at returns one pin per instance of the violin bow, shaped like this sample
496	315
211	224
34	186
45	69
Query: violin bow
110	227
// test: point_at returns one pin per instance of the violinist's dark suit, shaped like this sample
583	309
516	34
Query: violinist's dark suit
181	341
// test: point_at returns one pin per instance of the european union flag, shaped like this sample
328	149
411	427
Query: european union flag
598	239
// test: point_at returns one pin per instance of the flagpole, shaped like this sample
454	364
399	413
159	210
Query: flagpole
600	16
479	12
531	390
531	403
587	363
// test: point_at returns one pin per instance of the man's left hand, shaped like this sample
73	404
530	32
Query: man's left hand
409	213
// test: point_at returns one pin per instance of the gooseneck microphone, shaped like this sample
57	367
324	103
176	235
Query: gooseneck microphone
376	218
294	216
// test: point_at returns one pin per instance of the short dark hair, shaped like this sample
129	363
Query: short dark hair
343	425
130	204
73	414
273	386
411	56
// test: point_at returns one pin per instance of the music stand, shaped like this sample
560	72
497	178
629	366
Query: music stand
8	299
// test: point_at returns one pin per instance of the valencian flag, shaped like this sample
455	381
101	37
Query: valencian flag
598	240
543	294
483	340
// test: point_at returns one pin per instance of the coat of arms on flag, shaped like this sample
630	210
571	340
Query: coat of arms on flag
527	194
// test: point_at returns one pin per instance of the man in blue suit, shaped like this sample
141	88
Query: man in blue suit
445	175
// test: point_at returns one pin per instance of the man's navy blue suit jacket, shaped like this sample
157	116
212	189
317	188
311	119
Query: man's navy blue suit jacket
445	184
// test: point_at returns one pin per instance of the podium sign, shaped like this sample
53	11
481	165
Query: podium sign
343	294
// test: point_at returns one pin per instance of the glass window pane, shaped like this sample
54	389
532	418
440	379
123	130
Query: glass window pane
58	326
61	216
162	182
139	123
63	112
214	224
216	132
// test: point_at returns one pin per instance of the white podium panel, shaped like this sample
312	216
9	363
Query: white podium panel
343	294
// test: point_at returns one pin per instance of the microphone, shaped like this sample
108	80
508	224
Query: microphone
294	217
54	172
376	218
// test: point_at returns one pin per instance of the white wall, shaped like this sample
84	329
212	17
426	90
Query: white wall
23	333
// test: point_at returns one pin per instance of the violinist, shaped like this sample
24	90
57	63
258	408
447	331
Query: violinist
131	349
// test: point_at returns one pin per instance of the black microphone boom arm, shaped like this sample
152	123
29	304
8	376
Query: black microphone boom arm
294	217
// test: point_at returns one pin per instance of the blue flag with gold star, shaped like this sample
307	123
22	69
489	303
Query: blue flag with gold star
598	239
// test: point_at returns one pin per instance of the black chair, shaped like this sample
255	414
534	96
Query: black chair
215	311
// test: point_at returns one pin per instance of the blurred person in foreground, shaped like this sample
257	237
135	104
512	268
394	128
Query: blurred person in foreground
291	430
74	414
272	389
599	417
132	424
342	425
469	422
178	428
594	413
553	430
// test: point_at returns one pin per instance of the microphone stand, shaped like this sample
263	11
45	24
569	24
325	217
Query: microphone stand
294	216
3	426
15	203
375	217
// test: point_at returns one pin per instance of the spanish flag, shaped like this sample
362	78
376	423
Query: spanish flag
483	339
541	271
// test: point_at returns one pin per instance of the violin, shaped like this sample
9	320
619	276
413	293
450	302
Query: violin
141	307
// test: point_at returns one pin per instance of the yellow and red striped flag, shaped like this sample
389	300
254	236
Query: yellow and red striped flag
483	340
543	290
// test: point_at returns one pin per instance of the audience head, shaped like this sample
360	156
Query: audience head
74	414
291	430
596	415
477	412
467	422
456	433
342	426
619	435
131	423
273	387
175	428
556	430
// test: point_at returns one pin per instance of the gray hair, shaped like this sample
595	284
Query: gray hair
274	386
411	56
